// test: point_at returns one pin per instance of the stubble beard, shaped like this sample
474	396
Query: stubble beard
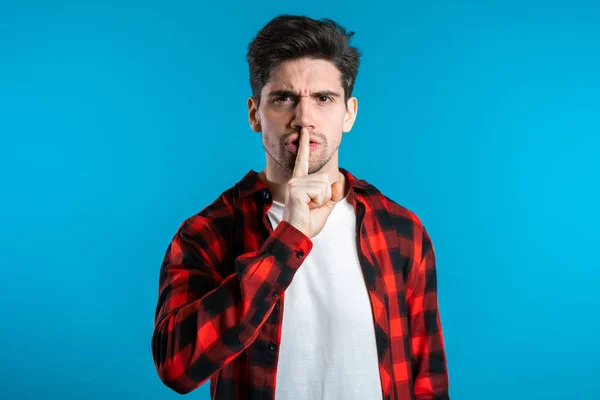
286	161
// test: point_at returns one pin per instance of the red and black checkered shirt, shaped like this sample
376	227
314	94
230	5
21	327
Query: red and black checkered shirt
223	280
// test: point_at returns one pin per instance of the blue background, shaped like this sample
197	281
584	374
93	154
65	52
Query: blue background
119	120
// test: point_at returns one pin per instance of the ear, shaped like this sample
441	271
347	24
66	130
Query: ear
350	116
253	117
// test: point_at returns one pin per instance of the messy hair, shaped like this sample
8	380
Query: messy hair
289	37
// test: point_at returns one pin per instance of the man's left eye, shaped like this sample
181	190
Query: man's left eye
324	98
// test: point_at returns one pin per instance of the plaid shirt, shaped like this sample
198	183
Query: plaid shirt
222	284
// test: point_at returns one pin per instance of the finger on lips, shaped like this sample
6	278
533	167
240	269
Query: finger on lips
302	156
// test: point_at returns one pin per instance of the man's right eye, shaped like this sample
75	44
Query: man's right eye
282	99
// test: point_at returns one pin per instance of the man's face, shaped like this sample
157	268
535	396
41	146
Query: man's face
302	93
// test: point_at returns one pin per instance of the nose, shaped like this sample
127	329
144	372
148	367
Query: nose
304	114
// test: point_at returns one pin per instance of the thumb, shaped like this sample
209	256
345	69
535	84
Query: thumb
337	192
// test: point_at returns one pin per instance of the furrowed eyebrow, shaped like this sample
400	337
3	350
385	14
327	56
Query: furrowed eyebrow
326	93
280	93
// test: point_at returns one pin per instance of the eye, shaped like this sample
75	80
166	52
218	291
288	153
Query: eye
325	99
282	99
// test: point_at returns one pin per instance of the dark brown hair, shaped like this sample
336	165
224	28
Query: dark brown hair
289	37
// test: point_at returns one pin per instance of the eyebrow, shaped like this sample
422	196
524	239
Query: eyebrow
283	92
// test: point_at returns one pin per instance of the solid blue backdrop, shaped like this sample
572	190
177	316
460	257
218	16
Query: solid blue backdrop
121	119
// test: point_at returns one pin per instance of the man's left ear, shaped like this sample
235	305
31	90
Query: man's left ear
351	111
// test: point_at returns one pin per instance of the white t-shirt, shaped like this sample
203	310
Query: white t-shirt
327	348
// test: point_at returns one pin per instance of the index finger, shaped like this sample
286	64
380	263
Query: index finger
302	156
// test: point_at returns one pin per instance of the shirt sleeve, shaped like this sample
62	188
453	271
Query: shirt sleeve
204	320
427	343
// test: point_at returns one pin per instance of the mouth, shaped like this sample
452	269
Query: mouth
293	146
295	139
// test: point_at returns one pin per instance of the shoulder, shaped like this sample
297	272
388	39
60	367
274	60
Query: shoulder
408	225
215	217
380	202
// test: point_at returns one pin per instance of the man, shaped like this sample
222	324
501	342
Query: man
301	281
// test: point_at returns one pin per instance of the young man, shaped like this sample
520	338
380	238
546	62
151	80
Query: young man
301	282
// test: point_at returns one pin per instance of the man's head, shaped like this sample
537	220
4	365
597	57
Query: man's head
302	74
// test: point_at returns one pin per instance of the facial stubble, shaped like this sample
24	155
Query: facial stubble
286	160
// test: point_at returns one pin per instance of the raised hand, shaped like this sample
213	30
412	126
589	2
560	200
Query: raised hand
309	199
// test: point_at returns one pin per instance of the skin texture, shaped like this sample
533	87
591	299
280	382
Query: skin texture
309	198
302	94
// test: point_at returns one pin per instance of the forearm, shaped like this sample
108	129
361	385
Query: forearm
427	343
203	322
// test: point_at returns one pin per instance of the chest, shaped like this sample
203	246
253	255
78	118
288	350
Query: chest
329	290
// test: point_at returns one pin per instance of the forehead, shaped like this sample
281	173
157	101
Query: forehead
305	74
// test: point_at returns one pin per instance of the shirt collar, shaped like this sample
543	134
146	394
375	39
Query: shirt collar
251	184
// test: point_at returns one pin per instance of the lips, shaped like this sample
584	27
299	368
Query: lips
295	139
293	147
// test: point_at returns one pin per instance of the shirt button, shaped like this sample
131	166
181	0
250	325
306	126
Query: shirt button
272	346
300	254
266	195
